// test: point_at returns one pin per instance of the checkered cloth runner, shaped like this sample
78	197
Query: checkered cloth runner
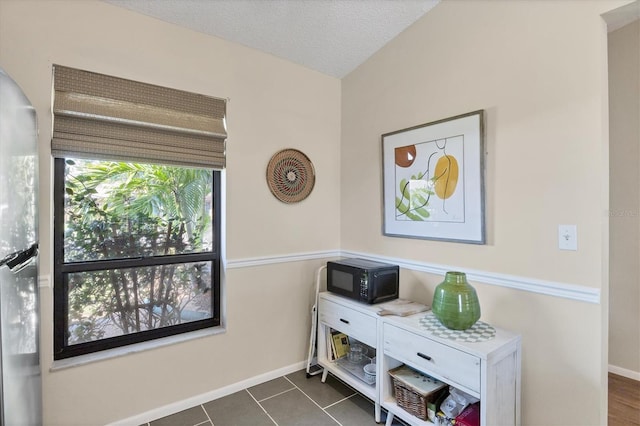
479	332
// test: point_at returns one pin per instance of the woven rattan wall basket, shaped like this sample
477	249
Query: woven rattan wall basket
290	176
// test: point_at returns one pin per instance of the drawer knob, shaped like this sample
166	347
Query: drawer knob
427	357
344	320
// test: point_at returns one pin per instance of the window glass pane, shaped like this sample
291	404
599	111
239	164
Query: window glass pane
117	302
122	210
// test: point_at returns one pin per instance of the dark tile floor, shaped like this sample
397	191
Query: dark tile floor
288	400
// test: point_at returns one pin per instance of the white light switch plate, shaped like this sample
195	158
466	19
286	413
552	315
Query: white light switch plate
568	237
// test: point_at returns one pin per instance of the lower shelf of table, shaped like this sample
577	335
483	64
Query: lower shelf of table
348	376
392	406
356	369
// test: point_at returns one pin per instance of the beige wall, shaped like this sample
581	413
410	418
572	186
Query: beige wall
624	121
273	105
538	69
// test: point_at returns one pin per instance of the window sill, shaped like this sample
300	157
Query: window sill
77	361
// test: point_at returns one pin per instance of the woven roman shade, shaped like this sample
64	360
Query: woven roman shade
102	117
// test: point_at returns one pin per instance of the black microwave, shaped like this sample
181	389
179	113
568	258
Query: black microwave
363	280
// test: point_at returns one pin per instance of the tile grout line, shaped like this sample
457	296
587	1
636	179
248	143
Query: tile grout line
311	399
273	396
206	414
341	400
260	405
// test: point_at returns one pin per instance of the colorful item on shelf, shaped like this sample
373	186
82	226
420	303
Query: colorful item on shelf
470	416
455	302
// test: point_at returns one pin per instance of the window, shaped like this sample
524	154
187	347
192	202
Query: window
137	224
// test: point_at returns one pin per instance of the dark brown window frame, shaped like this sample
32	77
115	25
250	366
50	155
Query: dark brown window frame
61	270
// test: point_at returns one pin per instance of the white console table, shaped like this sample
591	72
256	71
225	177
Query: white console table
488	369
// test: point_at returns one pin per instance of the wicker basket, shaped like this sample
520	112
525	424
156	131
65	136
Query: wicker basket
413	390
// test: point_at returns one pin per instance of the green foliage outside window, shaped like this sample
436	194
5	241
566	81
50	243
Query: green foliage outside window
115	211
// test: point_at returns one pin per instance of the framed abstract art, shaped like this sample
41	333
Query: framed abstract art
433	180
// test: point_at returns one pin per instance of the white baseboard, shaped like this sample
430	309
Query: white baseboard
630	374
176	407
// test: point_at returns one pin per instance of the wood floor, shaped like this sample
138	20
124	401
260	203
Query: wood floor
624	401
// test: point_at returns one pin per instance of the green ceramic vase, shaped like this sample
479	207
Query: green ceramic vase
455	302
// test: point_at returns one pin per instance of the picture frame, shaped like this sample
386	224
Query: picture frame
433	180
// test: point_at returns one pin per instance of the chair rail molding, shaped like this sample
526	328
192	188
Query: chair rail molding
532	285
285	258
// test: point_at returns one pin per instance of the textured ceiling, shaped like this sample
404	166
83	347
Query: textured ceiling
330	36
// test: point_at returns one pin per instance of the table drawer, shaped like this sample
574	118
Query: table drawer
353	323
429	356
